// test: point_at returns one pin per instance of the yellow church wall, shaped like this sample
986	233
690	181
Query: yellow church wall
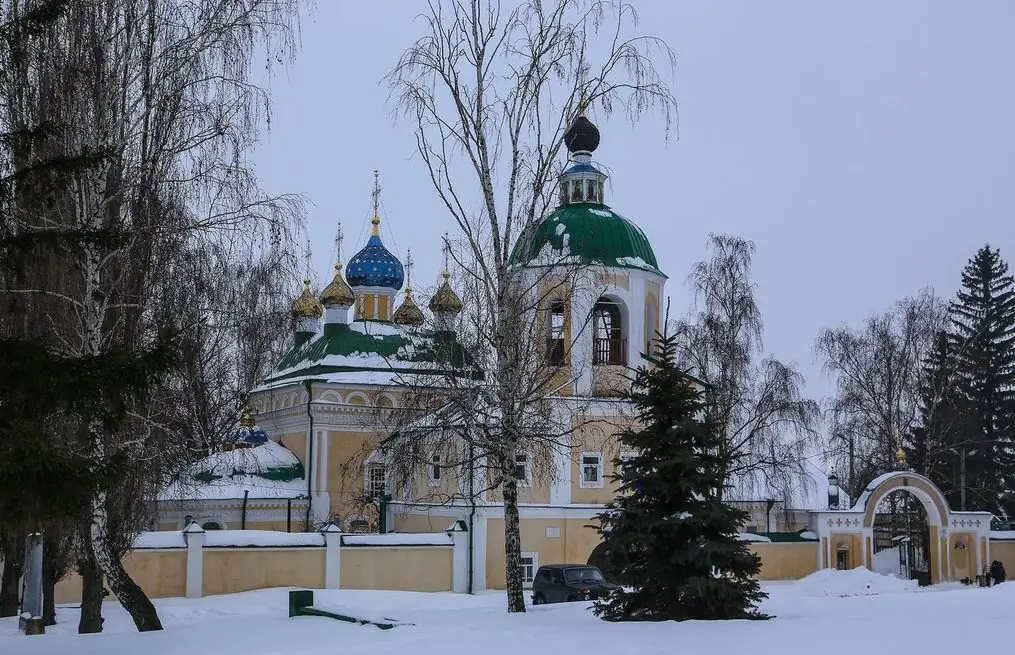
573	545
792	561
229	571
616	279
1004	552
420	523
610	381
963	559
160	573
406	569
599	436
346	452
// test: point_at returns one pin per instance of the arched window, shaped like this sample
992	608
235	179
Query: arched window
211	525
555	338
609	347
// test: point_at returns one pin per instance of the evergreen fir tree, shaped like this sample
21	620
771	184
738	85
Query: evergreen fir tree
983	320
937	446
668	535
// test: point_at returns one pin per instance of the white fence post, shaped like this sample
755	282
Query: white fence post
194	537
459	557
332	556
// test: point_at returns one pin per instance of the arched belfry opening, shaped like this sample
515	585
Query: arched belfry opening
609	333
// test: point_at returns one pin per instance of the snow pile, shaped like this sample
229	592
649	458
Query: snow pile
858	582
888	561
754	538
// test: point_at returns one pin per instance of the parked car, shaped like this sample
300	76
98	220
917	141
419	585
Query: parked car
563	583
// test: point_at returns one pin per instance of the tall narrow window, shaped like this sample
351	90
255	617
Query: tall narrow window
609	345
576	190
377	477
435	469
523	471
592	190
592	471
529	563
555	344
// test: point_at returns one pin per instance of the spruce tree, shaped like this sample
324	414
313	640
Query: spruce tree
983	326
939	443
668	536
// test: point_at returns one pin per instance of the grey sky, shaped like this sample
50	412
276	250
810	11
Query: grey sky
866	147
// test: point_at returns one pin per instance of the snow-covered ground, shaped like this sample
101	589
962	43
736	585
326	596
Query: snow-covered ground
834	612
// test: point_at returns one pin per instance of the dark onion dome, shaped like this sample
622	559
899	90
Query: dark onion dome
247	434
582	136
374	265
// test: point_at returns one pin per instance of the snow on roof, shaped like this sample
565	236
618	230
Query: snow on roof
807	491
266	471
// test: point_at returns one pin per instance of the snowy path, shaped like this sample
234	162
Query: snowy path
255	623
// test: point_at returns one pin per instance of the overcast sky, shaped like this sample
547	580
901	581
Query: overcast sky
867	147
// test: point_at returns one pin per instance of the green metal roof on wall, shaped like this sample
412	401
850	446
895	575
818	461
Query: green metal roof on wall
366	346
585	233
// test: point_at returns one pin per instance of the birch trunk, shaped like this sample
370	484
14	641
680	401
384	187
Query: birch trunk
512	540
90	620
104	555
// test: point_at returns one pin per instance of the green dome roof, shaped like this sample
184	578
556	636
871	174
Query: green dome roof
585	233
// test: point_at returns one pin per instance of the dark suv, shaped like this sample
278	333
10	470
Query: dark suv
560	583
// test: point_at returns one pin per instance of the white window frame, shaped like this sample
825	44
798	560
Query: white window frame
434	466
367	483
527	480
598	483
534	556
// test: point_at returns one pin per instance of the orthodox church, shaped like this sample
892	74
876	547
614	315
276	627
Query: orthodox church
312	457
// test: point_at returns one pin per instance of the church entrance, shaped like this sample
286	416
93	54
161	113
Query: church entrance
901	534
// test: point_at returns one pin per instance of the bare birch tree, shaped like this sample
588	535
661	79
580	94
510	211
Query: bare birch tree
158	95
754	401
878	371
490	91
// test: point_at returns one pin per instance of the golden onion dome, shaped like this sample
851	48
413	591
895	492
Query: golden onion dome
338	293
408	313
306	306
446	300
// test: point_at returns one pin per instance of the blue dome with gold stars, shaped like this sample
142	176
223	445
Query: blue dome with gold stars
374	265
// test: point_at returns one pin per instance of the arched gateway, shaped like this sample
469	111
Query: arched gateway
957	543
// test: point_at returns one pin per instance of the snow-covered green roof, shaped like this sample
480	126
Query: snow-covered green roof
370	352
266	471
585	233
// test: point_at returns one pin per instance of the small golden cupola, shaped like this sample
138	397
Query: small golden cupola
445	304
338	296
408	313
307	311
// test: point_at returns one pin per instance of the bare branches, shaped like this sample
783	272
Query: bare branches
878	372
490	92
766	423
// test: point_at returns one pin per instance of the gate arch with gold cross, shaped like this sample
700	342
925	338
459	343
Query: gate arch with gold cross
958	543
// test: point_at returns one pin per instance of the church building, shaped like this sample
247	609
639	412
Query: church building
322	410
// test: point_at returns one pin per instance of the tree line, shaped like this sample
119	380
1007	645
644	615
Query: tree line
936	379
145	273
